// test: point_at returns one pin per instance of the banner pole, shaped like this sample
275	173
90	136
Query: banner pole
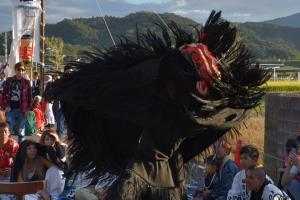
42	46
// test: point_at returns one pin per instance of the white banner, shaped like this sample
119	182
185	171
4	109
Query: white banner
26	24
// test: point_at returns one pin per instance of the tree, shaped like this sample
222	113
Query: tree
55	52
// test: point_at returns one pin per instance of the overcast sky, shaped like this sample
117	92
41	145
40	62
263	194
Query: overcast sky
234	10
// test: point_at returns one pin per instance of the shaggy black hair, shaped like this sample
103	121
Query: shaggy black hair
108	101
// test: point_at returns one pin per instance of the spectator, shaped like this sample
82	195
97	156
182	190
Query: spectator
291	176
59	117
261	188
227	171
212	165
50	138
68	69
36	84
50	120
9	148
39	115
35	162
30	124
17	100
248	157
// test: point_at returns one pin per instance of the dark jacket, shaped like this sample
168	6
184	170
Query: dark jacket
26	96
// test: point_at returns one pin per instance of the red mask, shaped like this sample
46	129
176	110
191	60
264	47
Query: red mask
205	64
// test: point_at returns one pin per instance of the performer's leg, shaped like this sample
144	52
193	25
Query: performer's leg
132	187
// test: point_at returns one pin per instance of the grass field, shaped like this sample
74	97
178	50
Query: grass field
283	86
253	132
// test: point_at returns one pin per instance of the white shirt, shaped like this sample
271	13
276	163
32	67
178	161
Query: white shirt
238	189
272	192
55	182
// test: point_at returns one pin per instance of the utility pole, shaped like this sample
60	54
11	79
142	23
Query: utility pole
42	46
5	47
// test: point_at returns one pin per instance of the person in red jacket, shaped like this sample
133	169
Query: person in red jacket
8	149
39	115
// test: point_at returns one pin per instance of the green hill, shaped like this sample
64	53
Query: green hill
291	20
271	41
92	31
265	41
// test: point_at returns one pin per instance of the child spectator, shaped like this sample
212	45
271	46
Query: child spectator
8	150
50	138
212	165
39	115
248	157
291	176
31	165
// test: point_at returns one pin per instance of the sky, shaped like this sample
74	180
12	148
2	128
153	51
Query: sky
233	10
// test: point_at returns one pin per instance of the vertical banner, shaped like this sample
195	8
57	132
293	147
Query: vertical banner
26	33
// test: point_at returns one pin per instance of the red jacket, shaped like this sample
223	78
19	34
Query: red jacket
26	96
40	118
7	153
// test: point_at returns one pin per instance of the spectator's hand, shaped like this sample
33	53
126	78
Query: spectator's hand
7	109
297	162
102	194
26	114
206	192
5	172
44	195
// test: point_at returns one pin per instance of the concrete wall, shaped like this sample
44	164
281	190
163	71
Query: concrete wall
282	121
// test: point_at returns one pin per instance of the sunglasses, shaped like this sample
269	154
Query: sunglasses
21	69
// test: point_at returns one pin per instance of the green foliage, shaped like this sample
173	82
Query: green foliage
92	31
54	52
283	86
265	41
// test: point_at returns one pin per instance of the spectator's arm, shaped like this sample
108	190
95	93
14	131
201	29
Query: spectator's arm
225	183
5	95
46	162
235	189
44	195
286	177
29	97
20	179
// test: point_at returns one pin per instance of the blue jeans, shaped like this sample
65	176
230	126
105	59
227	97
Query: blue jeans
60	122
16	121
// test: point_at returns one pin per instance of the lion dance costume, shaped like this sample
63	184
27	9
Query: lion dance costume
142	109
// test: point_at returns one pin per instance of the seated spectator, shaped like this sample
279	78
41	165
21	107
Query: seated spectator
261	188
30	124
212	165
291	176
50	138
248	157
227	171
39	115
8	150
31	165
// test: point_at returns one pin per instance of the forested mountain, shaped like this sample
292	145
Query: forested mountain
265	40
291	21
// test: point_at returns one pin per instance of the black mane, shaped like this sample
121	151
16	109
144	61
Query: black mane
111	77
